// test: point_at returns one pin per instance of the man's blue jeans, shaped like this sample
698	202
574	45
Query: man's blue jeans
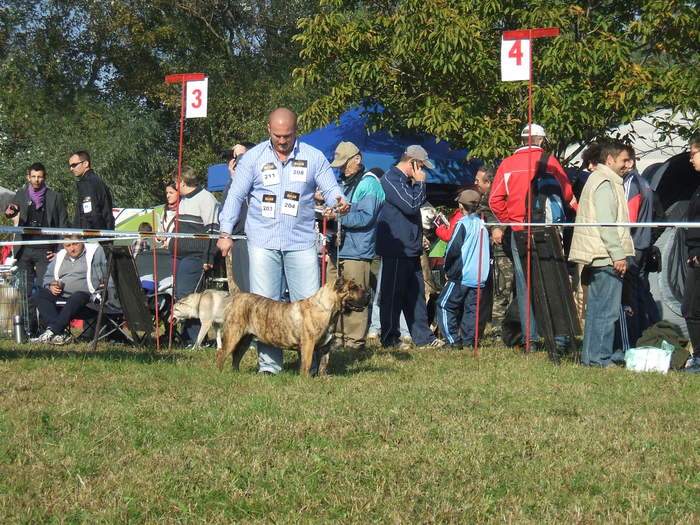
521	292
602	311
267	267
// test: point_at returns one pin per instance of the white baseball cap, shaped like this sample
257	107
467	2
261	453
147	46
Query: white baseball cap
537	131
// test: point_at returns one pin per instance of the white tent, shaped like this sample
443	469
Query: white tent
648	140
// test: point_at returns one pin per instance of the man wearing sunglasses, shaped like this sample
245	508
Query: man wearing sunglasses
94	206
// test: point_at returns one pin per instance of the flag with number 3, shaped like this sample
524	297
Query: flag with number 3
196	98
515	60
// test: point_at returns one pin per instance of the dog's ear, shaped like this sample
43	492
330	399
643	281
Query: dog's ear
339	283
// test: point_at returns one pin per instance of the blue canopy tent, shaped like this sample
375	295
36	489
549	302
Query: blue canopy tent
381	150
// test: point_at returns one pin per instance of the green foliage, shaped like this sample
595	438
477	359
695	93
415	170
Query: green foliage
435	66
88	74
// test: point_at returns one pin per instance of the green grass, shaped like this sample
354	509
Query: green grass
123	435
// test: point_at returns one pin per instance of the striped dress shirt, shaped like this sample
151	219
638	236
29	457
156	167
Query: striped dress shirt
280	196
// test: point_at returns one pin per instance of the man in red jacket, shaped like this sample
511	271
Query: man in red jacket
508	201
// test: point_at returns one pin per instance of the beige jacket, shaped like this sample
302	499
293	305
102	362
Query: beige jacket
587	244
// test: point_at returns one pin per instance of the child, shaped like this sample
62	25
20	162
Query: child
467	268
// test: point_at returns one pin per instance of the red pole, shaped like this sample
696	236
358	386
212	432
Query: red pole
155	278
528	328
475	353
177	210
182	79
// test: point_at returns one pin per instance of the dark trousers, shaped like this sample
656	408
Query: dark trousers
402	289
57	319
456	309
33	262
189	270
691	307
636	295
486	301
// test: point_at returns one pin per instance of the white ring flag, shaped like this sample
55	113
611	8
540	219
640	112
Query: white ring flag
196	98
515	59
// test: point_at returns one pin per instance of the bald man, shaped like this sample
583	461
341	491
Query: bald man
278	178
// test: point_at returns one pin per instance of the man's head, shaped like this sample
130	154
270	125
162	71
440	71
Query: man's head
629	166
282	127
414	159
537	132
79	163
695	151
347	157
189	180
469	200
72	245
590	157
615	156
36	175
484	178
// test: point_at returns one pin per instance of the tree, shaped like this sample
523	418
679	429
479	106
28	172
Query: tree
89	74
434	66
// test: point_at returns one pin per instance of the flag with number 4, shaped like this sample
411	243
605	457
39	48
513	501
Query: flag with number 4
196	98
515	60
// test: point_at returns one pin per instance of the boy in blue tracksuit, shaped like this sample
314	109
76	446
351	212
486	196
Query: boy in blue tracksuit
467	268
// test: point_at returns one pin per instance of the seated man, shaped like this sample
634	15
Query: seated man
74	276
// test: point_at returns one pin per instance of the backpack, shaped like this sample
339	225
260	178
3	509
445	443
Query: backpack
546	195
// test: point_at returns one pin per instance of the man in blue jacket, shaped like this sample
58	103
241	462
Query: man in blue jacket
400	243
357	239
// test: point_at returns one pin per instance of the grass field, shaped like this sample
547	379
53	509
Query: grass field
123	435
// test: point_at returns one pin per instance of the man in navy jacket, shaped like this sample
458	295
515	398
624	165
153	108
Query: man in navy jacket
399	243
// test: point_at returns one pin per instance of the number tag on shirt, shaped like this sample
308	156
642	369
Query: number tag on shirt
87	205
299	170
290	204
268	206
270	175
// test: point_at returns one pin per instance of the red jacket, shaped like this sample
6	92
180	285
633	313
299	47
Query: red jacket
511	184
445	232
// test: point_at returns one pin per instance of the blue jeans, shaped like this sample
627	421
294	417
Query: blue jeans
521	292
267	268
602	311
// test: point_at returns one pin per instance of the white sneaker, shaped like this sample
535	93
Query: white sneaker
43	338
61	339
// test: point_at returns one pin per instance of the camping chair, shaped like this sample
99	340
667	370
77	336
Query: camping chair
133	301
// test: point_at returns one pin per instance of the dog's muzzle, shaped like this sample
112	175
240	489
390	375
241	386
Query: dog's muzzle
358	306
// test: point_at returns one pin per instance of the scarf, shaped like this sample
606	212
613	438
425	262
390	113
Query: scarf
37	196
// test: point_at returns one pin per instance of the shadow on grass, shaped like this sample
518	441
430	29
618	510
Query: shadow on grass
349	362
136	354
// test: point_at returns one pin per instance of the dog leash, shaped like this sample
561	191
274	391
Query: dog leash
338	266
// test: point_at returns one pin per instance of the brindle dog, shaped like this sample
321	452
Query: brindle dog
303	325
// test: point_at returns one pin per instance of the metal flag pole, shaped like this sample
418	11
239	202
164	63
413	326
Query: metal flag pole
530	35
182	79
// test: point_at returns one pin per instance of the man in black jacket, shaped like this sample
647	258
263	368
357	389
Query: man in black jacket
94	207
37	206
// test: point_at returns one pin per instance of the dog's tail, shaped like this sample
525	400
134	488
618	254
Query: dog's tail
232	286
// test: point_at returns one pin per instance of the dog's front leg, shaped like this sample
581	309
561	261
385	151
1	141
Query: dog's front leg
306	354
203	330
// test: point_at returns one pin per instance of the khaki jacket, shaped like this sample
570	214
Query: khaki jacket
587	243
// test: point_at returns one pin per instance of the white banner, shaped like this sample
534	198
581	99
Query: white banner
515	60
196	98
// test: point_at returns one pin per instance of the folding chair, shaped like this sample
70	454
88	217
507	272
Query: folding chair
133	301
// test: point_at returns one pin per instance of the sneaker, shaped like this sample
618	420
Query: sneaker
435	343
692	366
405	346
61	339
44	338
